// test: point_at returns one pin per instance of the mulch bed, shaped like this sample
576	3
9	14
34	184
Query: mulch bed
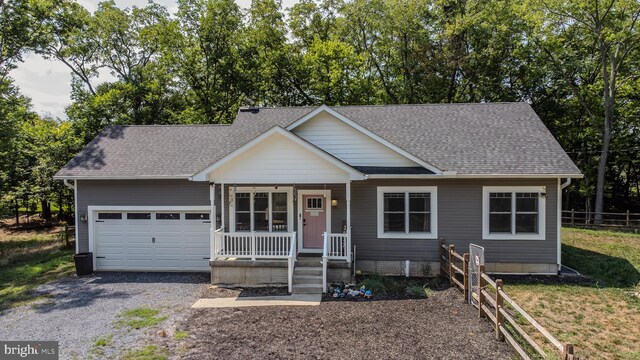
441	326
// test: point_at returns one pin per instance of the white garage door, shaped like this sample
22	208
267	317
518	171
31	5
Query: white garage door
151	240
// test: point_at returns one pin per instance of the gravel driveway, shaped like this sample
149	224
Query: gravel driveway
80	310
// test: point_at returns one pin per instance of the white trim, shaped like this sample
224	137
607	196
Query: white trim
433	190
474	176
132	177
541	235
91	209
327	205
75	217
325	108
252	190
559	225
203	174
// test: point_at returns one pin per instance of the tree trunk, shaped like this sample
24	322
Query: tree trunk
46	210
17	210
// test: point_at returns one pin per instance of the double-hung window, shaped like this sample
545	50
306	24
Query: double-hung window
513	212
407	212
261	210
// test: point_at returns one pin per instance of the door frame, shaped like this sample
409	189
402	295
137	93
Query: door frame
300	226
92	210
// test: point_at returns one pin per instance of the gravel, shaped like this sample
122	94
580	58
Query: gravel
79	310
440	327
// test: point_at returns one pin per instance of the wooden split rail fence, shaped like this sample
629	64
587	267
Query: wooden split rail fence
491	300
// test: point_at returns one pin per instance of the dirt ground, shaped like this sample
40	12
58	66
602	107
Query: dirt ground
440	327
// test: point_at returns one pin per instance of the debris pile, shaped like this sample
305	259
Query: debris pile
350	292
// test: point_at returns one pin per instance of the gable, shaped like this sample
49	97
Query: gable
349	144
279	159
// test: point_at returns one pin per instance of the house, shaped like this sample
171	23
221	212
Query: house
304	192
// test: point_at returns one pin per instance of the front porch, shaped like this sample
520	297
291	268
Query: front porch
263	258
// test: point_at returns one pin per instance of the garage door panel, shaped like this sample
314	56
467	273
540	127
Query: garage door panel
127	244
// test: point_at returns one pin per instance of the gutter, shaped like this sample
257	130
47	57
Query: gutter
70	186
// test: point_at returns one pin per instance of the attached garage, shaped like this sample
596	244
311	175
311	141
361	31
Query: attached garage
150	239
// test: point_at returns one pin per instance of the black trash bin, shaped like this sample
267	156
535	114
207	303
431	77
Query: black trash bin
84	263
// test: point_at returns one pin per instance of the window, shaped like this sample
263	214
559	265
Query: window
260	210
139	216
513	213
109	216
314	203
407	212
168	216
196	216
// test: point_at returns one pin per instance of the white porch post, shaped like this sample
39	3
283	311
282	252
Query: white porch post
224	206
212	219
348	196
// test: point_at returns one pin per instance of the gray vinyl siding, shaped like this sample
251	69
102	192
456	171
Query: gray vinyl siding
459	223
459	214
136	193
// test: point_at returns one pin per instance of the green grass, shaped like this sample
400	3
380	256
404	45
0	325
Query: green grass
150	352
18	280
139	318
180	334
601	317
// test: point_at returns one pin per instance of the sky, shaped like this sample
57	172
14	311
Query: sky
48	82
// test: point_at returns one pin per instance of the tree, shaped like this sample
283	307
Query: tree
206	51
597	39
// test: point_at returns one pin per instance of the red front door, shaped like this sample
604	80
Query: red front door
314	221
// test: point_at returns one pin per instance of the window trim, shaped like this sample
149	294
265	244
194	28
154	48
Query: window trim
487	190
432	190
252	190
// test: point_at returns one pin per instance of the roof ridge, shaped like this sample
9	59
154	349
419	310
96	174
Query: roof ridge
396	105
167	125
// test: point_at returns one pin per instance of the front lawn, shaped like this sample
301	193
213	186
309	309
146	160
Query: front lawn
600	317
28	259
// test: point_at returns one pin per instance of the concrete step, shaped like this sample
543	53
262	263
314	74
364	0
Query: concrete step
308	261
317	271
307	289
307	279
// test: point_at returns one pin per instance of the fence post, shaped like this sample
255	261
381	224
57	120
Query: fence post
442	272
452	248
573	218
499	317
481	285
66	236
465	277
627	218
567	352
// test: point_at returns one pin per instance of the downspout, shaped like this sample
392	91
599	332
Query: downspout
566	183
70	186
74	187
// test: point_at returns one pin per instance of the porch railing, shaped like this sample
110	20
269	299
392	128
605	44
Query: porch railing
256	245
335	247
252	245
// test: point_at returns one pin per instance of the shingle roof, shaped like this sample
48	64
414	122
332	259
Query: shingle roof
493	138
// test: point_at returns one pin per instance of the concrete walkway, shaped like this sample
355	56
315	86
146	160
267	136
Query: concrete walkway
233	302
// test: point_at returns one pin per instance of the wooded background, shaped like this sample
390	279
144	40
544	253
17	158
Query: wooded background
576	62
